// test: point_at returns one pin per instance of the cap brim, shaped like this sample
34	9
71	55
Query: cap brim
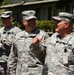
57	18
60	19
31	17
2	16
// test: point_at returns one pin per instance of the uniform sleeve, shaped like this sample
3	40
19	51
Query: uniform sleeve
12	61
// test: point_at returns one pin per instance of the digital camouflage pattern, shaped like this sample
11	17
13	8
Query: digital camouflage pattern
6	35
60	55
27	58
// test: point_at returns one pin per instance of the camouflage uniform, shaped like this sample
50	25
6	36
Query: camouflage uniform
60	55
25	57
6	35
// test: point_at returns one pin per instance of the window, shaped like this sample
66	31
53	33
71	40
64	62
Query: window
38	13
49	13
68	9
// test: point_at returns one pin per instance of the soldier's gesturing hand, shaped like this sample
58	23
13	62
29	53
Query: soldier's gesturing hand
36	40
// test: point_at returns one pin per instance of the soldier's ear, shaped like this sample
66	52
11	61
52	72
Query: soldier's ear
24	22
11	18
66	24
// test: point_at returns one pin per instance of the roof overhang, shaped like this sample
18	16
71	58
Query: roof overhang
26	3
10	5
39	2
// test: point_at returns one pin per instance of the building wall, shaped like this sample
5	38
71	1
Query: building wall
44	11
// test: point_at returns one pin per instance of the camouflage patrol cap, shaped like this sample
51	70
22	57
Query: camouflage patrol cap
64	16
28	14
6	14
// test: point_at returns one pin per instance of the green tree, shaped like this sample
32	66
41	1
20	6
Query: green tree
1	2
5	2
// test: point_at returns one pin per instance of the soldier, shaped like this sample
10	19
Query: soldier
27	53
6	34
60	47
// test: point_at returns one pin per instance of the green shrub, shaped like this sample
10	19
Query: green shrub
46	25
43	25
18	24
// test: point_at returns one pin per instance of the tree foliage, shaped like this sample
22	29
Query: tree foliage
46	25
5	2
1	2
43	25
